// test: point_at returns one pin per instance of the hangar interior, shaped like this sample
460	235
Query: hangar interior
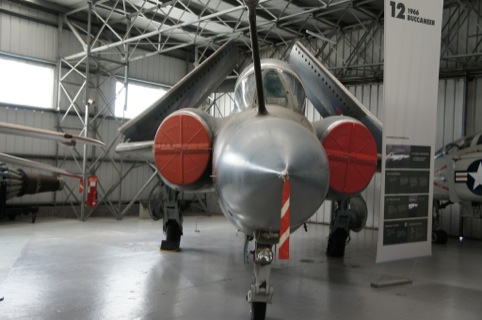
103	59
93	50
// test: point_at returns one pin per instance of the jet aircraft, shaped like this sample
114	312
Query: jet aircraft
17	182
270	168
457	179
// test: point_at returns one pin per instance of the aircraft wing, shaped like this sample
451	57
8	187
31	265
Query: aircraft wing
61	137
190	92
328	95
32	164
141	150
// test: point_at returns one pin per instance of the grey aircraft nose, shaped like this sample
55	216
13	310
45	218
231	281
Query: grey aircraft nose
249	166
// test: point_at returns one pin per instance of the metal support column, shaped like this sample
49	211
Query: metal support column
88	101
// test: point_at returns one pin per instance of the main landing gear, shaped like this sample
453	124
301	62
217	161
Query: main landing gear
347	214
261	291
339	229
337	241
172	221
439	236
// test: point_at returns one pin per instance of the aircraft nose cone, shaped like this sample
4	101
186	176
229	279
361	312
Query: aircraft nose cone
249	166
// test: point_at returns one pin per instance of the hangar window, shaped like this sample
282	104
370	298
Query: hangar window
26	83
139	97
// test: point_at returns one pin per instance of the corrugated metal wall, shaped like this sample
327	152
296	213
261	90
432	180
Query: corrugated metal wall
461	34
474	106
28	38
159	69
223	104
36	36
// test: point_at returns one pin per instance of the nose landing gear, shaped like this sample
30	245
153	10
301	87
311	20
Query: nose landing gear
261	292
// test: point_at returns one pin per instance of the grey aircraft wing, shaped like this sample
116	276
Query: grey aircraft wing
190	92
328	95
61	137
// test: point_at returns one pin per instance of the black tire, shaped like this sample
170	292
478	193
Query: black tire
258	310
173	231
336	243
439	237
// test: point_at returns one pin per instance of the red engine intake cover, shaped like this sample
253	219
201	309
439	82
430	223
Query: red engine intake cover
182	148
352	155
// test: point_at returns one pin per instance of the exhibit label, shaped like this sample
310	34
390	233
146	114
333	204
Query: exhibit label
411	72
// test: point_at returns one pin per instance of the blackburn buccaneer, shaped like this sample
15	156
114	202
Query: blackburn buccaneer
270	168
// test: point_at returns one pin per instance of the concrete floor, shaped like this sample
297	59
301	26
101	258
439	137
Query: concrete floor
108	269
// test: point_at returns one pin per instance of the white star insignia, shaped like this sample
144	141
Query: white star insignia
477	176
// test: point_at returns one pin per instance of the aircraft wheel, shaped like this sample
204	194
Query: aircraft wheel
258	310
336	243
173	231
173	237
440	237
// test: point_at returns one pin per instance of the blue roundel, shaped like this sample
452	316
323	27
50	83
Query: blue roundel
474	177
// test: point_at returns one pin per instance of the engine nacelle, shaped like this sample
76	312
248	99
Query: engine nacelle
352	155
183	149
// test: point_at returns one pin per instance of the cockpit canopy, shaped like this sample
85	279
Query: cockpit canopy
282	87
459	145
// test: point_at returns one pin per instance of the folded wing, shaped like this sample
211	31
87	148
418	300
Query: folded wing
190	92
328	95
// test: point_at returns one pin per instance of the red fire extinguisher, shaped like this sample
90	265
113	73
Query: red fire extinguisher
91	190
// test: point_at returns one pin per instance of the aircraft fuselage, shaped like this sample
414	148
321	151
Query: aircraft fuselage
248	156
458	171
253	155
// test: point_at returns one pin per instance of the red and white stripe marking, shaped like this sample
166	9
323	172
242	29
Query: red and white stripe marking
284	247
461	176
